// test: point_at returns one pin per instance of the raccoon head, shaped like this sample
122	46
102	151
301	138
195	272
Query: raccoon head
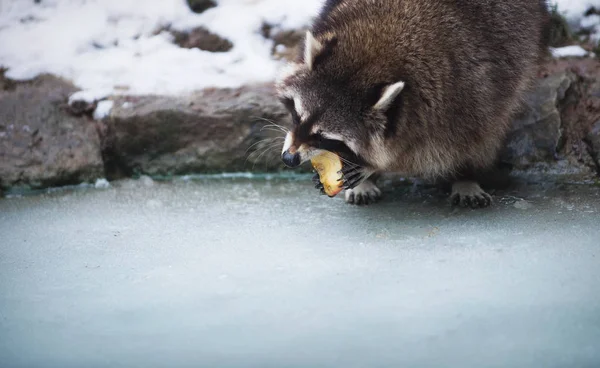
334	108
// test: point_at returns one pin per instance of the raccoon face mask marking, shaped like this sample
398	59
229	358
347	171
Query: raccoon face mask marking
331	111
327	118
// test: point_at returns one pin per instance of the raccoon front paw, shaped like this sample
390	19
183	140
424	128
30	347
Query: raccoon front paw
363	194
469	194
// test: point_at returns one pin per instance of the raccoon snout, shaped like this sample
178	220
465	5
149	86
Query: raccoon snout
291	159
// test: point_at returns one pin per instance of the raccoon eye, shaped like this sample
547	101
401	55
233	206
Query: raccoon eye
320	137
290	104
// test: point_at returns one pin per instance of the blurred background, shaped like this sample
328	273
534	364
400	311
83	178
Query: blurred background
105	89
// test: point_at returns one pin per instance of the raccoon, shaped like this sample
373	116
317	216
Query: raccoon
425	88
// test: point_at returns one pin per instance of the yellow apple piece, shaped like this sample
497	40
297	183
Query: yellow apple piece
328	165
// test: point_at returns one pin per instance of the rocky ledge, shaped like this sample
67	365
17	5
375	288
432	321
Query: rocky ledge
45	141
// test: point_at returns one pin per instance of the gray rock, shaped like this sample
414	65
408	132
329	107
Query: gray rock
536	130
547	136
593	140
200	6
202	39
212	131
41	143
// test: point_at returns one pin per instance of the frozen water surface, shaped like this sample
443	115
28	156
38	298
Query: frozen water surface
253	273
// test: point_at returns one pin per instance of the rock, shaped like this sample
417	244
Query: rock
200	6
41	144
5	83
593	140
202	39
593	136
536	130
547	136
82	107
212	131
225	130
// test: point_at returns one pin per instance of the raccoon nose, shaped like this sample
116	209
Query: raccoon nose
291	159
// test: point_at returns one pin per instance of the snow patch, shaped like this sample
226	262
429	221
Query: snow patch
592	23
102	184
568	51
574	8
121	46
90	96
574	11
103	109
146	181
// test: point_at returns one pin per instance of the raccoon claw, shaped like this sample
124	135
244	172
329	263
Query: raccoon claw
351	184
469	194
352	177
318	184
479	201
364	194
315	179
347	170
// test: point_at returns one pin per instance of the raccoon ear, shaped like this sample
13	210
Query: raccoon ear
312	49
388	96
315	50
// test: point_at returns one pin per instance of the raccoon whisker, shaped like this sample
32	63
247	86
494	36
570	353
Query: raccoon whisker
276	130
259	142
268	140
349	162
354	182
348	170
275	124
258	159
352	177
268	149
254	155
268	162
258	152
346	161
272	123
262	118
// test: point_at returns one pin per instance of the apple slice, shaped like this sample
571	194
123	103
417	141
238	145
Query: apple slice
328	165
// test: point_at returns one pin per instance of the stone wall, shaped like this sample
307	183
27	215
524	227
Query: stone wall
45	142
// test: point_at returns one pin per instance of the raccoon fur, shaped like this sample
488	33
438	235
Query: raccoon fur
425	88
